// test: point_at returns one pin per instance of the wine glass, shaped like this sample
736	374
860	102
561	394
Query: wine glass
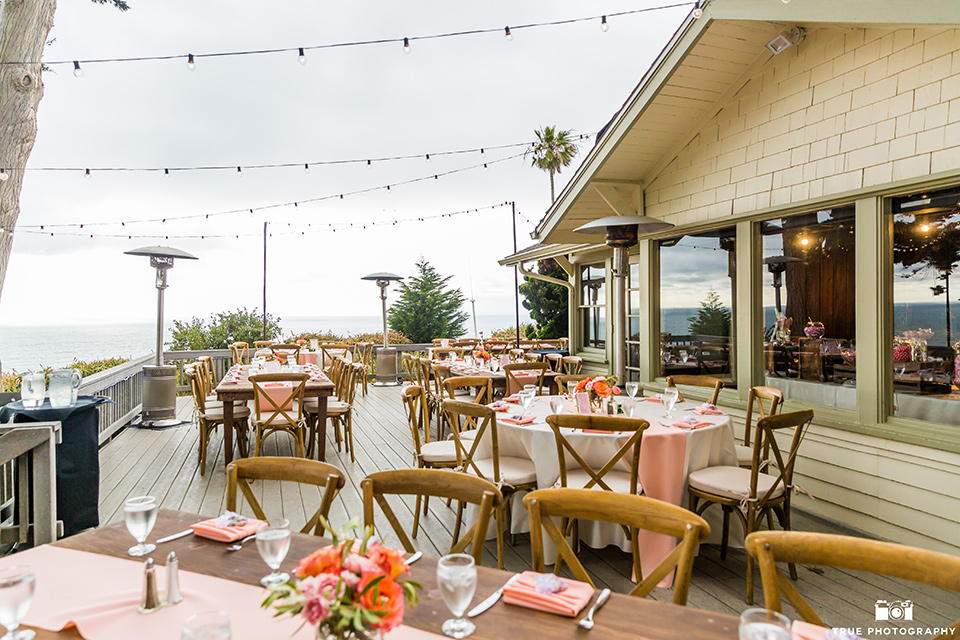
629	407
526	398
668	398
208	625
571	389
140	514
457	580
16	593
684	355
556	405
761	624
273	542
632	389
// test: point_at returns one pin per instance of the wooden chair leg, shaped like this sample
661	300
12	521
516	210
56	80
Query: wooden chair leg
348	428
783	514
500	550
202	456
724	541
426	504
416	516
751	527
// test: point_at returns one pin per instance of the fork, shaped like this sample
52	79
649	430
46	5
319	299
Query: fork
237	546
587	623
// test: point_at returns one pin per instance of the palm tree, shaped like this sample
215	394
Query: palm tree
552	151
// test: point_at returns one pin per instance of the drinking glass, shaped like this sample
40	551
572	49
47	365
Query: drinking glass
457	580
526	398
291	360
684	355
209	625
571	389
273	542
668	398
140	514
556	405
16	593
629	407
632	388
760	624
32	389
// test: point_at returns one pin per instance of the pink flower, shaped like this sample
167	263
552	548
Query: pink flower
350	579
325	586
616	390
360	565
589	385
315	610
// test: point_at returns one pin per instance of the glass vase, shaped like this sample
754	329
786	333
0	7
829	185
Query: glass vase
326	633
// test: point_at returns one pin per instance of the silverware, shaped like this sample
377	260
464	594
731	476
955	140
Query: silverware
236	547
175	536
413	558
587	623
492	600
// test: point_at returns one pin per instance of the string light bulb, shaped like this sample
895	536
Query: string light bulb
483	154
3	174
406	45
77	71
190	64
603	24
507	34
239	171
428	157
484	166
306	169
697	9
369	164
87	173
302	58
166	172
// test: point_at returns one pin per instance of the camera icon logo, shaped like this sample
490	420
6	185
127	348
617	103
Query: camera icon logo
894	610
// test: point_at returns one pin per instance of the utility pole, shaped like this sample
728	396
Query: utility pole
516	272
264	280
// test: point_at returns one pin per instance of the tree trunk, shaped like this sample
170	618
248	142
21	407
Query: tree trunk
24	28
553	198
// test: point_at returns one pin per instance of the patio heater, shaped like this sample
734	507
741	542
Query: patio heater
160	380
386	356
621	234
777	265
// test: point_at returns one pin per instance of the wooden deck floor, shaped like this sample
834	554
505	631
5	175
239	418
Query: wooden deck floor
163	463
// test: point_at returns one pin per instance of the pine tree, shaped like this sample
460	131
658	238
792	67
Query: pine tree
712	319
427	308
547	302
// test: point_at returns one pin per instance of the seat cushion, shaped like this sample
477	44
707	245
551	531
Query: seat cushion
442	451
513	471
744	455
469	434
619	481
732	482
239	411
333	408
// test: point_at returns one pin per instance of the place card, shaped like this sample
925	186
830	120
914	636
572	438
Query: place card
583	404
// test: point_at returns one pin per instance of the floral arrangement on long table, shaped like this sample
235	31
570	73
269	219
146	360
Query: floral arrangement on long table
598	387
350	589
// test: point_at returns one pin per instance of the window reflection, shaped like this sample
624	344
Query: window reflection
809	306
926	311
697	291
593	300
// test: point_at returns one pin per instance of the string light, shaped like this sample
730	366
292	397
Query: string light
603	24
483	152
239	171
369	164
87	173
77	71
3	174
306	168
697	9
406	45
428	157
302	58
190	64
507	34
166	172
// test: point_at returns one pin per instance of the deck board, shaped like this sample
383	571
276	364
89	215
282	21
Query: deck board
163	463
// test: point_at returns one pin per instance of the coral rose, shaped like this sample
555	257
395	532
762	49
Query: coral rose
601	388
326	560
360	565
388	559
384	598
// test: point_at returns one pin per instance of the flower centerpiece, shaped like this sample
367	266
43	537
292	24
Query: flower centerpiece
301	342
482	354
349	590
599	387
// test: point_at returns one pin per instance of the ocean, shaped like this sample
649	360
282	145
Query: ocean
29	348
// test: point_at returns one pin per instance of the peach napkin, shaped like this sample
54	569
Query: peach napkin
570	602
209	529
805	631
704	411
652	399
595	431
690	425
513	399
499	406
523	420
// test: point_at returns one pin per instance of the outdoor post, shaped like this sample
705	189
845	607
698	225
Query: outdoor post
386	356
161	285
383	302
264	280
516	277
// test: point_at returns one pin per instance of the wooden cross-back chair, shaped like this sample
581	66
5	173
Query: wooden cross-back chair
608	477
555	360
241	353
208	416
424	378
697	381
284	416
845	552
443	353
496	347
483	385
561	381
510	474
441	484
361	354
406	365
635	512
749	493
284	350
440	372
320	474
262	344
514	385
571	365
339	411
329	351
205	367
756	398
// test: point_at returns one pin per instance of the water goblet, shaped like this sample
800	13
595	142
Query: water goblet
291	360
457	580
632	389
761	624
526	398
556	405
208	625
17	583
684	355
668	398
140	514
571	389
273	542
629	407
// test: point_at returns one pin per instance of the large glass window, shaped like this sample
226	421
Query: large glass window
593	301
633	323
926	311
809	306
698	275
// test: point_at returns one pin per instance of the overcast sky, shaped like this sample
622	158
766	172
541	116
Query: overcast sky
352	102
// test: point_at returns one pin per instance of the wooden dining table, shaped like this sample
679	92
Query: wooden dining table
623	616
242	391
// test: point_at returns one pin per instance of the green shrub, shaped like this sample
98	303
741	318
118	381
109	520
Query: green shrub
510	333
11	381
224	329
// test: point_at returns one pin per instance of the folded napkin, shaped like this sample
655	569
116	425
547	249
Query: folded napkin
805	631
687	424
523	420
499	406
275	384
231	380
652	399
513	399
707	409
569	602
209	529
595	431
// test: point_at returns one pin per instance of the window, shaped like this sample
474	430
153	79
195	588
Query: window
809	306
926	311
697	288
593	301
633	323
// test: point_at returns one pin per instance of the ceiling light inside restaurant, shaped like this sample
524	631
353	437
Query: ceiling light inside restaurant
804	241
784	40
925	228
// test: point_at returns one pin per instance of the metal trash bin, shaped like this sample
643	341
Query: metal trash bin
159	396
386	366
